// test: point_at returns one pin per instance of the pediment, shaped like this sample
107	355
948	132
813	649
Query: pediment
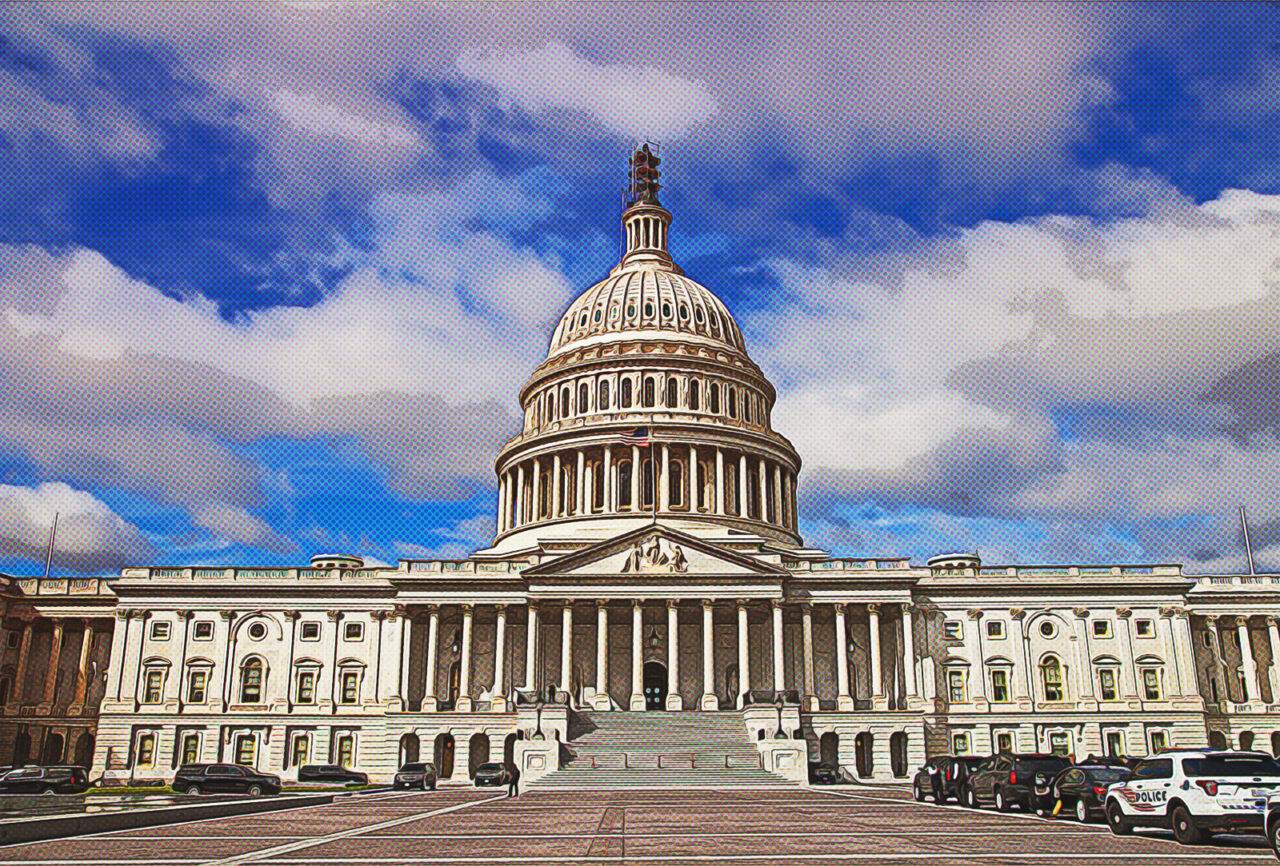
656	550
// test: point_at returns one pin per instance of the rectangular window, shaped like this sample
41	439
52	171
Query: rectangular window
154	685
999	686
159	631
350	686
951	629
346	750
190	748
13	639
1159	741
301	750
146	750
1151	684
203	631
306	687
311	631
1102	628
1004	742
1107	684
959	744
196	683
955	686
1115	744
995	629
245	747
353	631
1060	743
1144	627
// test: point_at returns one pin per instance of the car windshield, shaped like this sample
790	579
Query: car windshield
971	763
490	768
1107	775
1231	766
413	768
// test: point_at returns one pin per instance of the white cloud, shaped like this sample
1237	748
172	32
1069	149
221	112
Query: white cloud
239	526
90	535
308	111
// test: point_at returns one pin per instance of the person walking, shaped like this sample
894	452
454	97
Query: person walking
513	780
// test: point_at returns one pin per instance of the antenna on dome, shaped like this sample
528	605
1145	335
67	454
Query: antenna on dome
644	174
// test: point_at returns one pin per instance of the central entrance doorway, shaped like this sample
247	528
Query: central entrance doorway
655	686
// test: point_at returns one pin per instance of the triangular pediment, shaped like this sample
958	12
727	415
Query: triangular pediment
658	550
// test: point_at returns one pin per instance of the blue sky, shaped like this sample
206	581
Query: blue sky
272	274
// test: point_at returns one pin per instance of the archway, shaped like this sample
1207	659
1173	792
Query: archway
52	751
444	756
829	749
898	754
84	750
509	749
1217	740
1246	741
655	686
477	753
410	748
21	749
862	746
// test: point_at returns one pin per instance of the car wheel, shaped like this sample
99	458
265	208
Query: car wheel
1184	830
193	790
254	791
1002	803
47	792
1274	835
1082	811
1116	820
919	793
970	799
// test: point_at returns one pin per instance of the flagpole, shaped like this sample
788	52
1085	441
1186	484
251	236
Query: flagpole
48	557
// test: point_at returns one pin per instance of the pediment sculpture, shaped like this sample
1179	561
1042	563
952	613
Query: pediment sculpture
656	556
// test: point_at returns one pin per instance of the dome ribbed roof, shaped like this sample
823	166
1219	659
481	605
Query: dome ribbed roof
646	302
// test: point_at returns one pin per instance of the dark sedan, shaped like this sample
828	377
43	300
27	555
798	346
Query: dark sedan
45	780
491	774
1083	789
224	779
332	773
942	777
416	775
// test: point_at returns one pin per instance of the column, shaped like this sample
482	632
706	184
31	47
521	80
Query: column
581	480
566	648
810	699
608	480
499	661
1128	671
531	650
1213	625
520	500
844	700
744	657
1184	652
82	670
51	671
742	485
1273	633
502	502
1245	638
695	485
779	670
777	495
674	702
1022	668
719	481
878	698
24	658
556	487
464	668
1169	649
637	659
710	702
373	690
602	701
636	505
1084	658
978	671
909	653
788	500
664	486
764	491
402	685
535	503
429	701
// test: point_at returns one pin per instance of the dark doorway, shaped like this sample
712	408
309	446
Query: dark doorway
829	749
898	753
21	749
444	756
1217	740
84	750
477	753
862	747
52	752
655	686
409	749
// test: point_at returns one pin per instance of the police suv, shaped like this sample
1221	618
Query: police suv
1195	793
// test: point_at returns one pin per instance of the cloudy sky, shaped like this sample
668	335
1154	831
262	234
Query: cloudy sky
271	274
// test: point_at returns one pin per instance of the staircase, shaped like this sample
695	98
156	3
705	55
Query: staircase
660	750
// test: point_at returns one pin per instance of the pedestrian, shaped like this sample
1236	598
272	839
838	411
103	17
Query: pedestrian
935	781
513	780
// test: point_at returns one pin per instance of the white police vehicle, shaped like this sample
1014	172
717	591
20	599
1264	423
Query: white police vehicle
1195	793
1273	823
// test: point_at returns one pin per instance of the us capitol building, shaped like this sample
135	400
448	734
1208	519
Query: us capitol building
647	614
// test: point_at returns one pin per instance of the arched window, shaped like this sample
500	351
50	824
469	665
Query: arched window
603	402
646	483
544	495
714	399
693	395
1051	678
583	394
624	484
251	682
731	402
675	485
597	486
551	407
746	407
624	400
564	402
649	396
672	395
731	489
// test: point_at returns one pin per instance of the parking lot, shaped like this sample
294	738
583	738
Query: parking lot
464	826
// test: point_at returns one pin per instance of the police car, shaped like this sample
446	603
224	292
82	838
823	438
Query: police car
1195	793
1273	823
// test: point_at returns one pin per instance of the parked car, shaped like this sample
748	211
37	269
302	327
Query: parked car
1273	823
331	773
45	780
1196	793
416	775
1008	780
224	779
1081	790
491	774
824	774
951	772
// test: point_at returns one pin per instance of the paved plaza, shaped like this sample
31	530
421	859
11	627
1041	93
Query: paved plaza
464	826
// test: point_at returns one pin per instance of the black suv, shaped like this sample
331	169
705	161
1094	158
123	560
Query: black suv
416	775
224	779
1008	780
942	777
331	773
45	780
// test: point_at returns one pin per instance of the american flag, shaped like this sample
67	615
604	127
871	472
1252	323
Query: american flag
638	437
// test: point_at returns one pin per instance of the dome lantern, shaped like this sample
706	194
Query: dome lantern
644	221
